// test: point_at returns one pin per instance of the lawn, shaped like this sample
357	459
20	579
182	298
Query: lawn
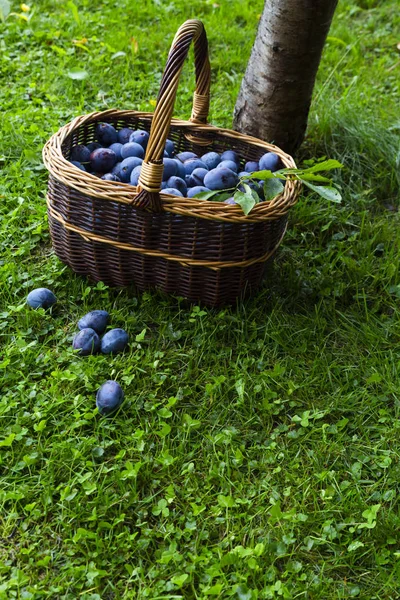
257	453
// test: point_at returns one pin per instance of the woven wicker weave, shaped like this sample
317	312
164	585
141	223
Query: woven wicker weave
110	231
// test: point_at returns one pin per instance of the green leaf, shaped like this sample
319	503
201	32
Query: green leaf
312	177
4	9
74	10
245	200
264	175
216	195
8	440
272	187
354	545
226	501
118	55
78	74
179	580
326	165
326	192
140	336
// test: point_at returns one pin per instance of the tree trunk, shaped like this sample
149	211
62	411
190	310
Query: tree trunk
275	95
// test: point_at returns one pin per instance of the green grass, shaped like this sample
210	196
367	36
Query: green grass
257	453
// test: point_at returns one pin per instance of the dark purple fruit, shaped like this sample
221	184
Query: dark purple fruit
109	397
102	160
106	134
41	298
87	342
95	319
114	341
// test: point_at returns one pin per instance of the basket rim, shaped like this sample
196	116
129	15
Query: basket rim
64	172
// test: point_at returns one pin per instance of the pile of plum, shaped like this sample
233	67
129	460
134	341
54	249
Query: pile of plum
110	395
118	156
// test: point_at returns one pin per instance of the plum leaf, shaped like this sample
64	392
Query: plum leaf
245	199
272	187
326	192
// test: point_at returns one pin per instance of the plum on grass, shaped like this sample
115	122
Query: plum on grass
140	137
41	298
80	153
197	177
172	192
132	149
106	134
220	179
211	160
124	134
269	162
177	183
78	164
109	397
114	341
197	189
102	160
95	319
86	341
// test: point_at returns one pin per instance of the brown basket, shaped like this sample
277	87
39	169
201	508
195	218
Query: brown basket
120	234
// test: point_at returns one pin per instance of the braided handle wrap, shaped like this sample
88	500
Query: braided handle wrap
151	174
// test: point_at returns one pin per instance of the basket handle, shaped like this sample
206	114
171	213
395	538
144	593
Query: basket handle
152	168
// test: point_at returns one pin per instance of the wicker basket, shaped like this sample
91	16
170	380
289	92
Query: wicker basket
120	234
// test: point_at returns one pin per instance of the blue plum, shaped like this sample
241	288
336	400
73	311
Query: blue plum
170	148
135	175
197	177
181	169
170	168
270	162
186	156
177	183
41	298
251	166
86	341
116	168
132	149
127	166
93	146
172	192
198	189
110	177
114	341
78	164
102	160
230	200
211	160
193	163
140	137
80	153
117	147
229	164
106	134
95	319
220	179
230	155
124	134
109	397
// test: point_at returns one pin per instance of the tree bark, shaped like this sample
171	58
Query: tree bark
275	95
